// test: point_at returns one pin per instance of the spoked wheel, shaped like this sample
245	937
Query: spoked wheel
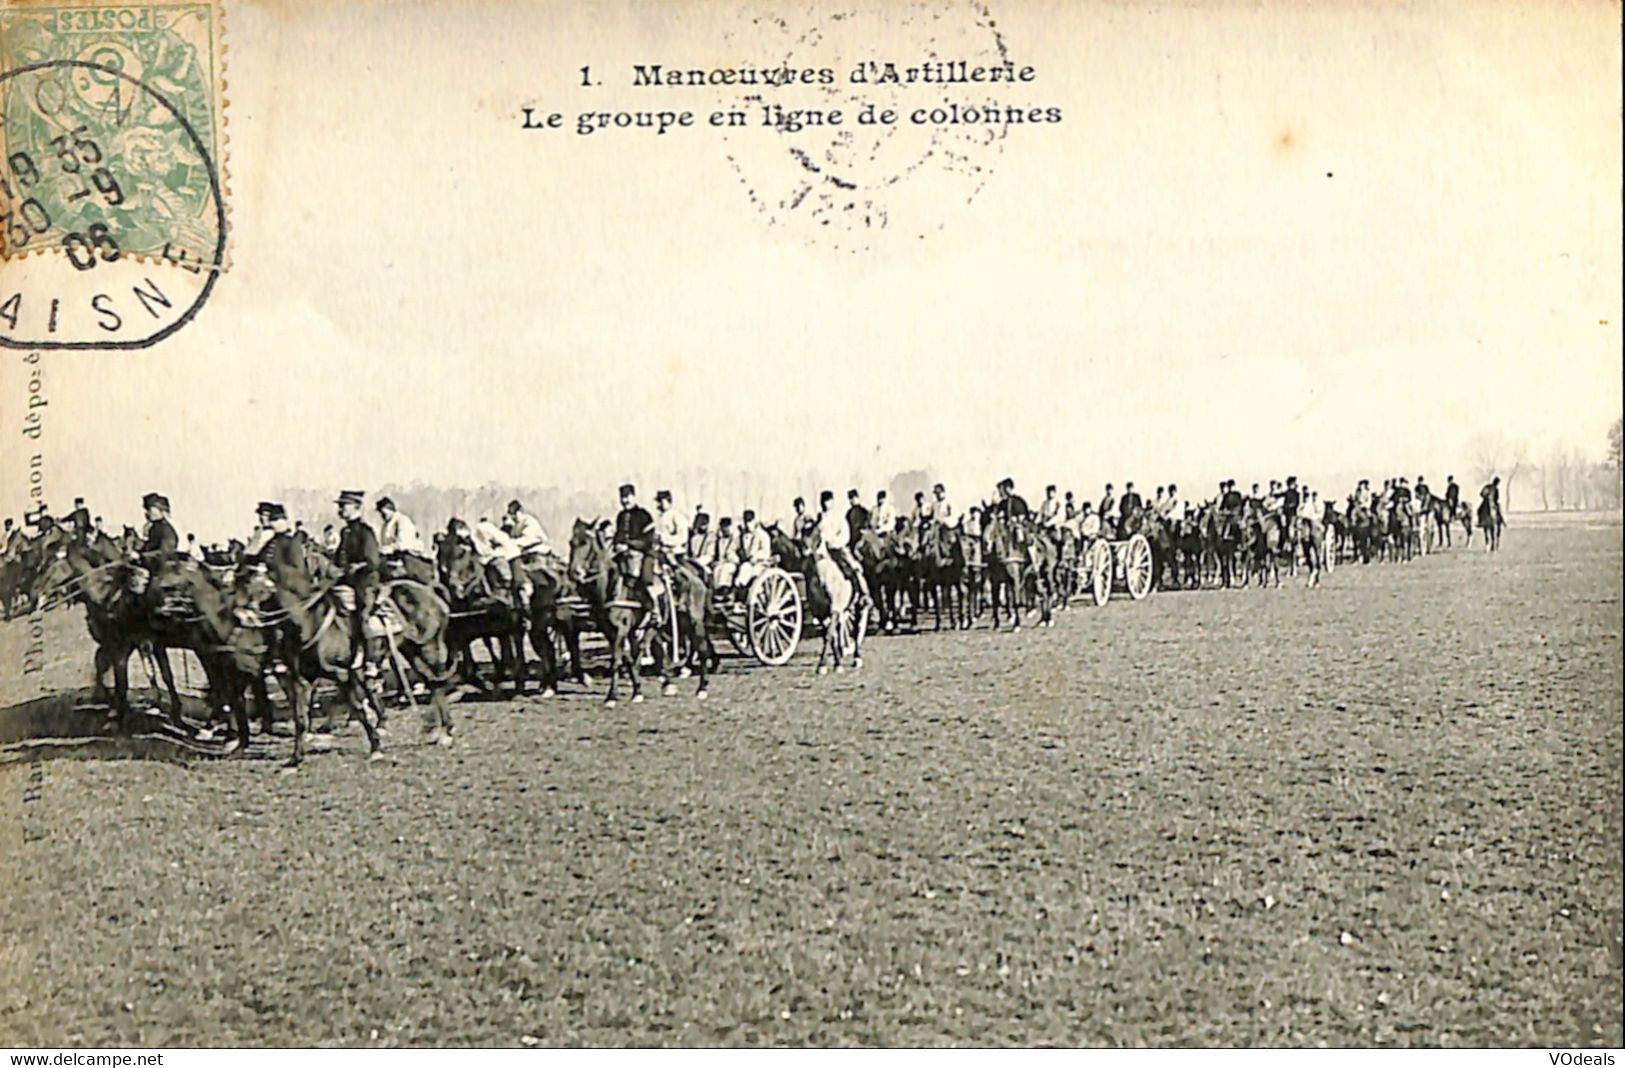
773	617
1100	571
1138	567
732	619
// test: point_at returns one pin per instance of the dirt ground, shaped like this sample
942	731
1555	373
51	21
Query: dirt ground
1384	812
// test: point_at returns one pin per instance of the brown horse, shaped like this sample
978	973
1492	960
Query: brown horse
942	573
482	608
237	651
616	608
314	643
117	614
1006	547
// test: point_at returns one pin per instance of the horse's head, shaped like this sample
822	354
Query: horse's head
54	572
459	567
587	551
256	583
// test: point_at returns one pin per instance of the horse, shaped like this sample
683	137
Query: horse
615	609
1223	542
1491	523
942	571
482	607
832	599
313	643
690	596
1265	544
238	652
885	568
1005	546
116	615
844	612
1401	532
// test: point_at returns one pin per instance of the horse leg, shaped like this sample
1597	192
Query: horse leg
358	694
121	685
237	689
432	662
617	642
160	653
292	681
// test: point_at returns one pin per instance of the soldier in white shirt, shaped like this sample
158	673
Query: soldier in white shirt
669	537
1049	510
837	539
755	550
398	534
941	510
492	543
884	517
527	531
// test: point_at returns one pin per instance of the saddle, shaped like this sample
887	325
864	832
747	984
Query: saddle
385	619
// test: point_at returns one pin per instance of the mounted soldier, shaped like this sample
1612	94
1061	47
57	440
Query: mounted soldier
80	520
837	538
857	516
400	545
161	541
530	538
1049	512
359	562
1291	500
634	546
884	517
272	541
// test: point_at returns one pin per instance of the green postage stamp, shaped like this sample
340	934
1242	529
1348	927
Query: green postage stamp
111	125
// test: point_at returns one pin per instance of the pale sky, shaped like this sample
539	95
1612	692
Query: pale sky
1166	284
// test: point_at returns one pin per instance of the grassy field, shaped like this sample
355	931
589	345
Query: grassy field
1384	812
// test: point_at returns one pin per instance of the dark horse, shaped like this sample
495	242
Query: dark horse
942	573
1007	545
118	615
1490	522
616	608
482	607
313	642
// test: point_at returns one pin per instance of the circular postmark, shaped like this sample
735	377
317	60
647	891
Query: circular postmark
110	176
866	140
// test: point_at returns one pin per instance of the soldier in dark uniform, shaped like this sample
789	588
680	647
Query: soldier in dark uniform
358	562
1291	498
1011	505
273	546
80	518
161	541
1128	506
634	545
857	517
1401	494
1230	501
1452	494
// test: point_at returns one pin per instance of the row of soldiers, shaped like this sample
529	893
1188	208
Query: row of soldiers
732	555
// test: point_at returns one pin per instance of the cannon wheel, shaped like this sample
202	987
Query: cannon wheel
733	621
1139	567
1100	571
773	617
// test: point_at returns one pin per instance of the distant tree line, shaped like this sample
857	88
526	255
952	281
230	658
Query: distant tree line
1564	479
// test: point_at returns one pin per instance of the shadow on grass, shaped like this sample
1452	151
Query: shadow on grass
69	726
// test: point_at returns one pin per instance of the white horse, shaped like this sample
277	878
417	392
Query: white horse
848	619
